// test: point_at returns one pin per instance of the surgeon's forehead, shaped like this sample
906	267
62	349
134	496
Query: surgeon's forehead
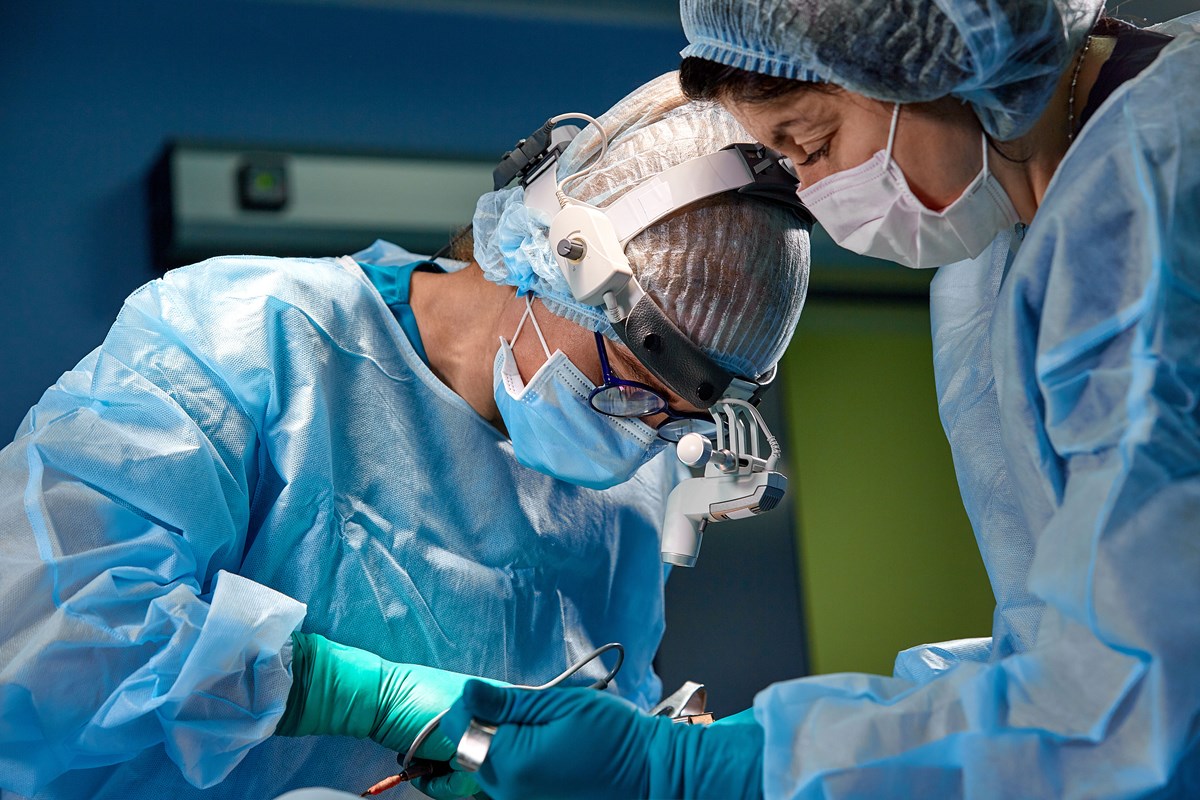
779	116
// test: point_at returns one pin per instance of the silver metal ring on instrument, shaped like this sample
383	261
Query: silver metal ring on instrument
474	744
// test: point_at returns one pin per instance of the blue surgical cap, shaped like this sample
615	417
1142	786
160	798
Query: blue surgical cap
730	271
1004	57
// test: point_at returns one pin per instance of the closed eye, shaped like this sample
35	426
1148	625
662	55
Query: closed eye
816	156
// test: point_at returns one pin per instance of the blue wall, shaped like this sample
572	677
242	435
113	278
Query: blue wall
90	91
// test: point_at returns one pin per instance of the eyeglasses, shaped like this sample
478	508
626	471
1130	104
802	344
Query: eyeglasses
621	398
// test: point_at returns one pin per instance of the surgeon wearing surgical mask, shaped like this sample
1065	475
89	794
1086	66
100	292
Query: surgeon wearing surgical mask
1047	161
267	530
547	417
873	210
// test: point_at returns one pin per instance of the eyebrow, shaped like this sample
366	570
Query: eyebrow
637	371
780	129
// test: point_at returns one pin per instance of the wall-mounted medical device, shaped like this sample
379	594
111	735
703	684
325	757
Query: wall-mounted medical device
213	199
590	243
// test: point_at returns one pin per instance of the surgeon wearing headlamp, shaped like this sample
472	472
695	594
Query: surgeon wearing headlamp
1046	160
288	506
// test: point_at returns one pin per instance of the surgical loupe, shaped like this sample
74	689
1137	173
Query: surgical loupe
737	483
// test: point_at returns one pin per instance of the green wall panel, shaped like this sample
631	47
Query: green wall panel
887	556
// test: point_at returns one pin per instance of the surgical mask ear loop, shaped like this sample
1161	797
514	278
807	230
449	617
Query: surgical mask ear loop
891	141
537	328
892	131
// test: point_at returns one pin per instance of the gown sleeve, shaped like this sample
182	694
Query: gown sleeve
125	501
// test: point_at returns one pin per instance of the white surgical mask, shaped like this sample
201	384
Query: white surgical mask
871	210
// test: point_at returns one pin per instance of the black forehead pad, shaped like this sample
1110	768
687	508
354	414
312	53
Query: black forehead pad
671	356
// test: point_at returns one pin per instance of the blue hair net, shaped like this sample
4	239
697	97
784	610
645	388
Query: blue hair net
1004	57
730	271
511	248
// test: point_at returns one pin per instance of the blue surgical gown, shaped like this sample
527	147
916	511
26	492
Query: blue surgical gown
256	448
1068	377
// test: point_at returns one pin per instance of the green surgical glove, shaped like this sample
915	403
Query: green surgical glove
343	691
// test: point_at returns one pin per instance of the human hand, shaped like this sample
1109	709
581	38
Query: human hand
580	744
344	691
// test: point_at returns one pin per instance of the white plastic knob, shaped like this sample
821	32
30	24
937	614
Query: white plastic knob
693	449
